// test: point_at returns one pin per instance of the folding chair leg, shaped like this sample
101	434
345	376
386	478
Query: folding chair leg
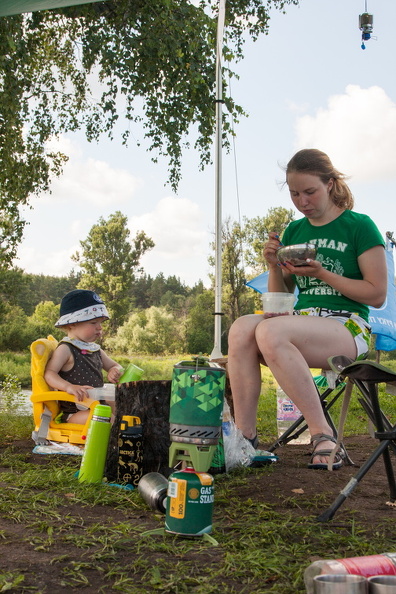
353	482
387	436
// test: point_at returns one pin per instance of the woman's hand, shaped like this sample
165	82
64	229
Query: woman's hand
313	268
270	247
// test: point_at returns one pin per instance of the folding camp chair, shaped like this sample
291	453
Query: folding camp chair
366	375
45	401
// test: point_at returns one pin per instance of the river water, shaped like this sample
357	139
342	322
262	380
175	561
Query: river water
25	406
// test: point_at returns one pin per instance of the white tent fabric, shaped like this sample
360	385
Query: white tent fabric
12	7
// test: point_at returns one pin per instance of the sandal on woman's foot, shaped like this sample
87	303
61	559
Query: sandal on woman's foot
338	459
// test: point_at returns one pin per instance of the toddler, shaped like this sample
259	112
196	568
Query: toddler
77	363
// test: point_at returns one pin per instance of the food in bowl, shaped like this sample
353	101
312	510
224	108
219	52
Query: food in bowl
297	254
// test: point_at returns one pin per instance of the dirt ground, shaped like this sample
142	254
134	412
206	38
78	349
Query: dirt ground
288	478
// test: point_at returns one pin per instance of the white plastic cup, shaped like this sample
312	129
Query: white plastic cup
277	304
382	584
340	584
107	392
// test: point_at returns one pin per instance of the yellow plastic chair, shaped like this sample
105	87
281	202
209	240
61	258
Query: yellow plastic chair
45	401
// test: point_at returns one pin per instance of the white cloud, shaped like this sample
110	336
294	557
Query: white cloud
65	145
95	182
176	226
43	261
296	107
78	228
89	181
181	244
357	130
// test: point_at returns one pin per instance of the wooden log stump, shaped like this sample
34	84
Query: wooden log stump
148	400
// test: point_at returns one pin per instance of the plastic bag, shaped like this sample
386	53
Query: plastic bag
238	451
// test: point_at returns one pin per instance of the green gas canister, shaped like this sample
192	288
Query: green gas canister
130	451
189	507
95	451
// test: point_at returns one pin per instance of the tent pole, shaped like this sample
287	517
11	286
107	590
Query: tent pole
216	353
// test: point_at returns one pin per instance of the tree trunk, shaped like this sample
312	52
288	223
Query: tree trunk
150	401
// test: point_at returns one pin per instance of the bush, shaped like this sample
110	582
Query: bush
11	395
16	364
17	331
154	331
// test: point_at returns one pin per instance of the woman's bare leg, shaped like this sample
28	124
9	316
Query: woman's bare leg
293	345
244	372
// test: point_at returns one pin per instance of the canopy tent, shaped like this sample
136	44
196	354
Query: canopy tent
11	7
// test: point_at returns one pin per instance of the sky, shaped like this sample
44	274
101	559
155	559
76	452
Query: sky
306	84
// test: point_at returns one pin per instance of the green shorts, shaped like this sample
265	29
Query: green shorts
359	328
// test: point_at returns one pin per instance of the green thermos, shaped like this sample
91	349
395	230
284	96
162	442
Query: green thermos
95	451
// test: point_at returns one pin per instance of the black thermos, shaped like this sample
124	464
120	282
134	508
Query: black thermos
130	451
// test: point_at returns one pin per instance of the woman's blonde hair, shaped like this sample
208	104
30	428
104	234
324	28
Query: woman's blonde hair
316	162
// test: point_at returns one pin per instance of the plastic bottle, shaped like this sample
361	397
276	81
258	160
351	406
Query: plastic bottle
286	414
130	451
382	564
95	451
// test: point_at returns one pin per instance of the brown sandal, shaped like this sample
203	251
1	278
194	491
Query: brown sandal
338	459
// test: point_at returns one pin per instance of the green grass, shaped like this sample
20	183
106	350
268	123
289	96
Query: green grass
155	368
160	368
85	531
255	551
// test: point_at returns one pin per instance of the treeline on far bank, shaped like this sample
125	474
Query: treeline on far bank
165	316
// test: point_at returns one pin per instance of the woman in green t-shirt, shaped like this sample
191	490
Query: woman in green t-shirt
331	314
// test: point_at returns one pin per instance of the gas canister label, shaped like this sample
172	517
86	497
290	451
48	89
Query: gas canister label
204	478
206	495
177	490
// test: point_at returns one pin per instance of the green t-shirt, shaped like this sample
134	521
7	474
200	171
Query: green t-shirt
339	244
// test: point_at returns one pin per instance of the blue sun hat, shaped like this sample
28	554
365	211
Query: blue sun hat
81	306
